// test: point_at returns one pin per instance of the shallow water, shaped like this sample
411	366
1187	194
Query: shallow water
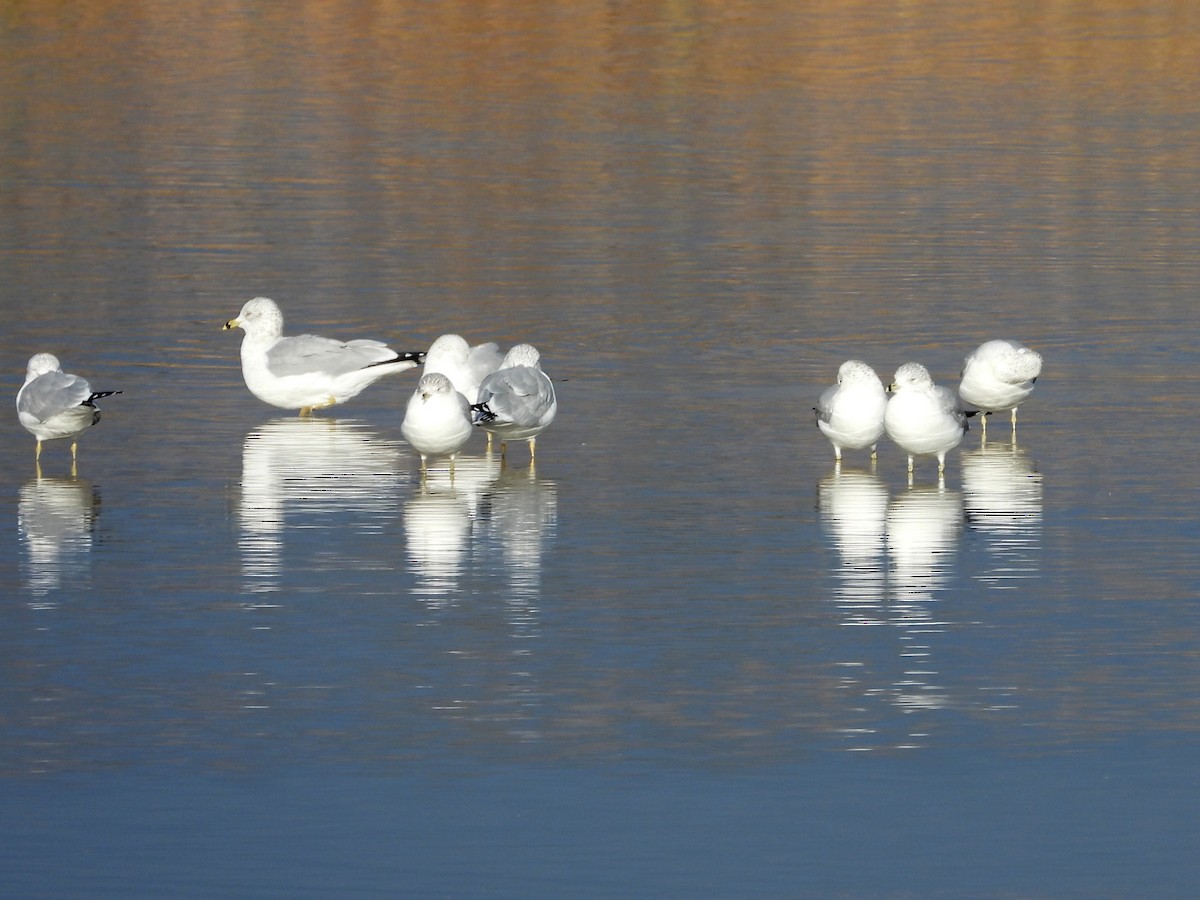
244	653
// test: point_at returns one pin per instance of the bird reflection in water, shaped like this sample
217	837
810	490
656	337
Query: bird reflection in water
923	527
895	557
1003	496
853	505
493	525
315	471
438	522
56	518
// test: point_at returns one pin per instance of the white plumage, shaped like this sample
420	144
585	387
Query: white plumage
437	421
850	413
922	418
464	365
998	375
308	372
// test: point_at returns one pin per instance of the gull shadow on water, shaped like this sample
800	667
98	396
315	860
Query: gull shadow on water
896	557
309	473
1003	497
56	520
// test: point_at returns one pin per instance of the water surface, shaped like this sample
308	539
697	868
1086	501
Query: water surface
243	653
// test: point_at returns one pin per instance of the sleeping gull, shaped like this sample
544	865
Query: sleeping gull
464	365
850	413
922	418
437	421
998	375
53	405
517	402
307	372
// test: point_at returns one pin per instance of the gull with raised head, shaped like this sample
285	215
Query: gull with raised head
437	421
850	413
921	418
308	372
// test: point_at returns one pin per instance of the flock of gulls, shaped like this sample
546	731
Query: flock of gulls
511	398
920	417
462	387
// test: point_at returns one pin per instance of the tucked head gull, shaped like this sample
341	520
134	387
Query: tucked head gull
437	421
464	365
54	405
922	418
517	401
308	372
998	375
850	413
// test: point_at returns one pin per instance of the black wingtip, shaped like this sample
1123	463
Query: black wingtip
417	356
99	395
483	412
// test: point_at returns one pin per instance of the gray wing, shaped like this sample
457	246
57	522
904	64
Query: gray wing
307	353
520	395
824	407
50	394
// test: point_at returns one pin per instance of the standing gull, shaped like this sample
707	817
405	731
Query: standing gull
437	421
464	365
307	372
850	413
922	418
517	402
53	405
998	375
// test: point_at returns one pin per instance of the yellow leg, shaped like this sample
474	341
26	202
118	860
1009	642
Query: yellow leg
37	456
305	412
532	451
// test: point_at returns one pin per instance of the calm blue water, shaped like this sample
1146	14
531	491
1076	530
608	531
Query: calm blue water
247	654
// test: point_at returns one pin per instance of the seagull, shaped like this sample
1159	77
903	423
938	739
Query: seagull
437	421
517	402
922	418
464	365
307	372
998	375
53	405
850	413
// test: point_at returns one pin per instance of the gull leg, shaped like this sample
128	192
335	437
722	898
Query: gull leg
37	455
941	464
874	452
983	426
305	412
532	451
1014	421
910	464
